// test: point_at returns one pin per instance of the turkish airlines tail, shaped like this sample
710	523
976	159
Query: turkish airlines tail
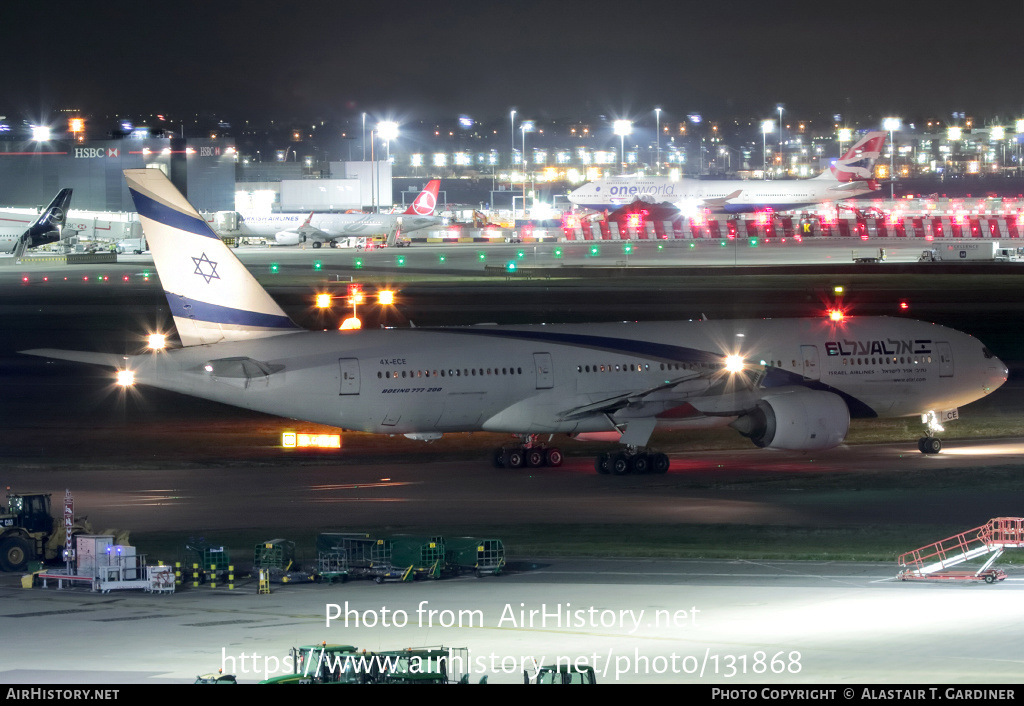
426	202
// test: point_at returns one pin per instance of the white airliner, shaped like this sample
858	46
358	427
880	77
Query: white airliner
784	383
17	233
849	176
346	229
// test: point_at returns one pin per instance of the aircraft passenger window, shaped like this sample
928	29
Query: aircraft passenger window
520	370
504	371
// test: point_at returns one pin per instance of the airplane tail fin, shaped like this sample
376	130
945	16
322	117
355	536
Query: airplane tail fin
212	296
426	202
55	215
858	163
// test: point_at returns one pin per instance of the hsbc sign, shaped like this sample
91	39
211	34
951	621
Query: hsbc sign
97	152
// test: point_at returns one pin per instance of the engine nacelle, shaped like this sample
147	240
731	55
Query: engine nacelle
289	237
797	421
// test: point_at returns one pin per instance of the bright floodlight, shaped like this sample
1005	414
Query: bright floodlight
623	127
388	130
1020	126
768	126
998	133
323	300
385	296
845	134
954	133
125	378
734	363
157	341
40	133
891	124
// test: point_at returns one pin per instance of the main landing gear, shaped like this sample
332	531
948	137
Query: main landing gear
630	460
930	444
528	454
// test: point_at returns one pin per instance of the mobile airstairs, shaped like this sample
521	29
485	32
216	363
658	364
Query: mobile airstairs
992	538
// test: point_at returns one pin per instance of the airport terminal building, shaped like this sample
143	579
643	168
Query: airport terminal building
32	172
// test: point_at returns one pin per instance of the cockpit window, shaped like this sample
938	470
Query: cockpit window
987	353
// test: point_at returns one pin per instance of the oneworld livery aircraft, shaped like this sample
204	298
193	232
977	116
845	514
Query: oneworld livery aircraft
849	176
346	229
783	383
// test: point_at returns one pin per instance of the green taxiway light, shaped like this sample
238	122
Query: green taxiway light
520	254
511	266
442	258
482	256
318	265
400	260
274	267
358	263
594	250
558	252
753	242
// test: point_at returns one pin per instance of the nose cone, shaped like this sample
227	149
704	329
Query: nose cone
995	373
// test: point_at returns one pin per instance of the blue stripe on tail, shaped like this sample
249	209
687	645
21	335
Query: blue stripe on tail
212	313
154	210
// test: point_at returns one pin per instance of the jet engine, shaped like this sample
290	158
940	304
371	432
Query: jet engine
289	237
797	421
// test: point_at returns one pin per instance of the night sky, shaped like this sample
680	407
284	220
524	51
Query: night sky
553	59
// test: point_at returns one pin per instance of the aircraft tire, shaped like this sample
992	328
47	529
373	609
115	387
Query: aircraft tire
15	553
931	445
554	457
534	458
317	244
660	463
639	464
514	458
619	464
602	464
499	458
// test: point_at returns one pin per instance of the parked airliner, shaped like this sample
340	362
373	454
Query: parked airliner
849	176
33	231
783	383
345	229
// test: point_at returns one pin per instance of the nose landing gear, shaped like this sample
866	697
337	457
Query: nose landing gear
930	444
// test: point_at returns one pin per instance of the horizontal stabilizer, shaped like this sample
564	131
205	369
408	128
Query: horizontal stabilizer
114	360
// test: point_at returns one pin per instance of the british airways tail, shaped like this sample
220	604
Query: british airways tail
212	296
426	202
859	161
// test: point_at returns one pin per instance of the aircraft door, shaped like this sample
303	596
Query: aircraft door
349	368
945	359
545	371
809	354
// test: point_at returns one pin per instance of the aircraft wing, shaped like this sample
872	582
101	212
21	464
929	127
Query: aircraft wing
617	402
719	203
695	384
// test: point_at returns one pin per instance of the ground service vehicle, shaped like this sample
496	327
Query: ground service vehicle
344	664
26	530
861	257
131	245
561	674
959	252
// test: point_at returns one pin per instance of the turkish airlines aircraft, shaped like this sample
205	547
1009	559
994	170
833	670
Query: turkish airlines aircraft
849	176
346	229
784	383
33	231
